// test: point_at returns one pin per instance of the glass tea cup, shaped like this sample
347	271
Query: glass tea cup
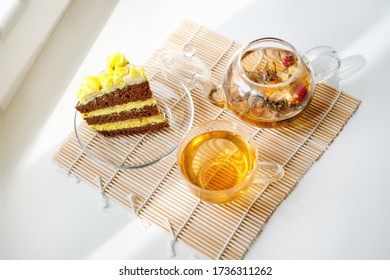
218	161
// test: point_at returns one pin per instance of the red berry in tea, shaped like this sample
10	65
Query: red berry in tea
301	94
289	59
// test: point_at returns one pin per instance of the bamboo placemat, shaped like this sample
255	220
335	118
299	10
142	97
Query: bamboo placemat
157	194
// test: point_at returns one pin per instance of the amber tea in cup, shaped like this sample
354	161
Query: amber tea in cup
219	160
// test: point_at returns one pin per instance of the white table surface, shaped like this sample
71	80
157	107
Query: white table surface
339	210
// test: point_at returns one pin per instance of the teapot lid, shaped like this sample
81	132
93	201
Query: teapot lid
182	66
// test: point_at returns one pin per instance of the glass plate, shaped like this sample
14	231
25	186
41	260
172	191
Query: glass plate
140	150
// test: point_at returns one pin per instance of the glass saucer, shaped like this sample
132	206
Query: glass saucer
141	150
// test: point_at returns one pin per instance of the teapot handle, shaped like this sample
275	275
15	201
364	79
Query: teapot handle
325	62
214	93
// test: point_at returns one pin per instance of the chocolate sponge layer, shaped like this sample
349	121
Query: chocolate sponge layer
130	93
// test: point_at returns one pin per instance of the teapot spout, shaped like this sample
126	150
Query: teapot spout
213	92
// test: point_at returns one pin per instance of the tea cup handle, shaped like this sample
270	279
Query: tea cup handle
325	62
273	172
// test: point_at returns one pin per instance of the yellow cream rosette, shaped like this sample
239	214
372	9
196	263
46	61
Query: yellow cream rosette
117	68
116	60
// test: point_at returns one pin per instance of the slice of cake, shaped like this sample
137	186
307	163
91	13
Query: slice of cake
119	101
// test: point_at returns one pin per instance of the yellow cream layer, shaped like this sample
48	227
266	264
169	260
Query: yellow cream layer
119	108
130	123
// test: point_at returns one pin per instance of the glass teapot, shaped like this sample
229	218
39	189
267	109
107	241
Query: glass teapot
267	83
